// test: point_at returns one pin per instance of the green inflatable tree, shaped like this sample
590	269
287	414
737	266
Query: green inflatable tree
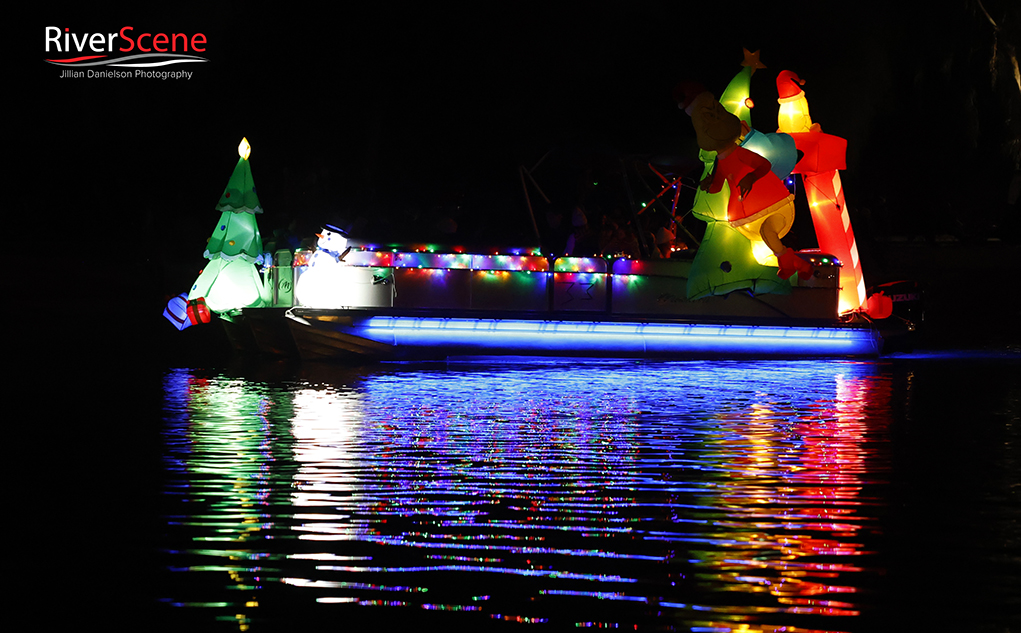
231	281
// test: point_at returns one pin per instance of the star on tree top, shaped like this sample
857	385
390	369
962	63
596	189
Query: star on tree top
752	59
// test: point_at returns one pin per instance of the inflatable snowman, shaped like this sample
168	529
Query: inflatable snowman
329	282
331	248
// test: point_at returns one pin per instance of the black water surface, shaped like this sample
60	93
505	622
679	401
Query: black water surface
822	495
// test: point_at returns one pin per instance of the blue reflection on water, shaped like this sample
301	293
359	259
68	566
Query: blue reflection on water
690	495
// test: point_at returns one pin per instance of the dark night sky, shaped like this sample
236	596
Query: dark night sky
385	112
371	113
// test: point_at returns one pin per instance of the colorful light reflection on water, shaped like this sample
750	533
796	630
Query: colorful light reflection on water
704	496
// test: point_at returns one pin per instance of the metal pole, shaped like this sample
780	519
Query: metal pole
528	202
643	248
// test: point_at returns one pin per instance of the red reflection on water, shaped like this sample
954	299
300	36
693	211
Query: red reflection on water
793	501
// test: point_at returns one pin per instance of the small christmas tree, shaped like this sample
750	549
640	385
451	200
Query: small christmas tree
231	281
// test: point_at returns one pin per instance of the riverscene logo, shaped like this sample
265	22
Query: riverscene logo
101	55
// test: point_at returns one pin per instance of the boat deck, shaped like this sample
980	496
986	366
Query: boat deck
387	305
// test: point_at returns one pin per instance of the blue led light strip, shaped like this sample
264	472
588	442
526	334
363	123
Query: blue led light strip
566	337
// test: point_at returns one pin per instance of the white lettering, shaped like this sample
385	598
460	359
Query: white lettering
55	38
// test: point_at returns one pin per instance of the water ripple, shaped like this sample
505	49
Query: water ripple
620	492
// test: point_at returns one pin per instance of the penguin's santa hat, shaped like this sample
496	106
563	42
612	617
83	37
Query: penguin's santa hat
788	85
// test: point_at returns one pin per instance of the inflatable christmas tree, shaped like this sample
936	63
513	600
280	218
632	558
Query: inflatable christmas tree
231	281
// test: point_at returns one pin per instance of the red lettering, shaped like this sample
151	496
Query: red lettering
131	43
160	41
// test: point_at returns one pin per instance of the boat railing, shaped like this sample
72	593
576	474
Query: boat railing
539	284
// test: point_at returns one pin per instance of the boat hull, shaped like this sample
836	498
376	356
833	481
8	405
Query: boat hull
270	330
370	335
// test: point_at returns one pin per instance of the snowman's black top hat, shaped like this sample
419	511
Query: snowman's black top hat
335	229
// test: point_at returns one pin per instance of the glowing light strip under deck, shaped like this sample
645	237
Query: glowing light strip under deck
564	337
